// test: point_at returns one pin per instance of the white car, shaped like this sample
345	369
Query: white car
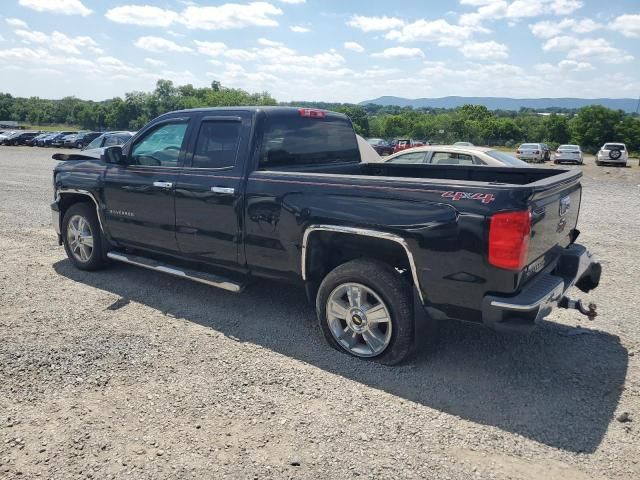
568	154
613	153
533	152
455	155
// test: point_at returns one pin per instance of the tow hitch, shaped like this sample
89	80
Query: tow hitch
590	311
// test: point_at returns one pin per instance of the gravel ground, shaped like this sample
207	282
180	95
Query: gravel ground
127	373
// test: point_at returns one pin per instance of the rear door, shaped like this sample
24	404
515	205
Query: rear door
209	191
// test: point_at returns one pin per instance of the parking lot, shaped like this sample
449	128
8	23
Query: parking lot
127	373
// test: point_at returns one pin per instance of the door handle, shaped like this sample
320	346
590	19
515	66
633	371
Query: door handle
224	190
163	184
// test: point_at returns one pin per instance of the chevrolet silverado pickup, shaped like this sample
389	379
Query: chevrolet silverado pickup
226	195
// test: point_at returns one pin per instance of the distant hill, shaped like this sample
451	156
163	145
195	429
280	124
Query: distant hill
504	103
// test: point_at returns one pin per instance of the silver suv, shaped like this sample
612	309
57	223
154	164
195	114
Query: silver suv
613	153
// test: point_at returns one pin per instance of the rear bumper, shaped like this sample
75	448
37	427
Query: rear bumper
576	266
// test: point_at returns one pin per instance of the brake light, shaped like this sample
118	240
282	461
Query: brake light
518	152
509	235
537	152
311	113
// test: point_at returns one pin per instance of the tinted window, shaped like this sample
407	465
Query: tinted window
295	140
217	145
161	146
614	146
414	157
449	158
112	140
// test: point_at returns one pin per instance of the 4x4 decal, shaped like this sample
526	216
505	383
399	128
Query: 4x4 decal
482	197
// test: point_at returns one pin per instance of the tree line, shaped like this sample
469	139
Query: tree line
589	126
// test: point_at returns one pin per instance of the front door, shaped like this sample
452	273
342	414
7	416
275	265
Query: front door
208	196
140	196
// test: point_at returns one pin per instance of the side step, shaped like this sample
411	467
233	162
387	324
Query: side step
201	277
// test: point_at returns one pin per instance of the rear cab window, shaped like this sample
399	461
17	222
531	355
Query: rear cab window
291	139
614	146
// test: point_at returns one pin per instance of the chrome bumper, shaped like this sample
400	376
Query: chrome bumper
576	266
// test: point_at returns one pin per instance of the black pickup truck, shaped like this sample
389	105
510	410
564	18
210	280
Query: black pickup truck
222	196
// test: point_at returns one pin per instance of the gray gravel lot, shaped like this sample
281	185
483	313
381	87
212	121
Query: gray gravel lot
127	373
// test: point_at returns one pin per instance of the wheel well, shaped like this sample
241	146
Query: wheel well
326	250
68	199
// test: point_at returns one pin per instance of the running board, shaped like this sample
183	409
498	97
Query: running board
201	277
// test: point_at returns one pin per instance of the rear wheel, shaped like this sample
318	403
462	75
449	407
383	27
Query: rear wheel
82	237
365	309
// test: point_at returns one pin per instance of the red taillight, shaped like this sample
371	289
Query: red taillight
311	113
537	152
518	152
509	239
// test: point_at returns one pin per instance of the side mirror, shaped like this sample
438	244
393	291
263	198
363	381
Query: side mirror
114	155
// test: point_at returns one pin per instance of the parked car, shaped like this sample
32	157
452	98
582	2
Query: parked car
32	142
19	138
464	144
456	155
58	140
531	152
381	146
403	144
108	139
379	247
613	154
6	134
46	140
85	138
568	154
546	151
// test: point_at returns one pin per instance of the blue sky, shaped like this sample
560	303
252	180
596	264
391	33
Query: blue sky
323	49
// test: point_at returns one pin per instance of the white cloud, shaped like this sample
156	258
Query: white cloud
299	29
16	23
400	52
154	63
580	48
438	31
354	47
268	43
293	2
222	17
491	10
230	15
485	50
159	44
374	24
59	41
64	7
548	29
628	25
564	66
143	15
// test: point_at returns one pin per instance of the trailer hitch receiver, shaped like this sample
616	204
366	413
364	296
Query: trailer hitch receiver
589	311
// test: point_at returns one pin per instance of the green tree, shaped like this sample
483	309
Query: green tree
594	125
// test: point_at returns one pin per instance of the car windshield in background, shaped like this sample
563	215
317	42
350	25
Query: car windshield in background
376	141
569	147
530	145
613	146
506	158
293	141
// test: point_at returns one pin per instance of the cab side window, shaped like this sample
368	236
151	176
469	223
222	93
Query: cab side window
217	144
161	146
413	157
451	158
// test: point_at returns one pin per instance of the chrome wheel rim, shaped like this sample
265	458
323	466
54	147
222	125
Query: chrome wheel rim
359	320
80	238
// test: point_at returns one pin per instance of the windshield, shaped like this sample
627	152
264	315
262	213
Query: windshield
96	143
530	145
506	158
569	147
375	141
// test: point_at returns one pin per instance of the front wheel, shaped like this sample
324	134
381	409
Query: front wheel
82	237
365	309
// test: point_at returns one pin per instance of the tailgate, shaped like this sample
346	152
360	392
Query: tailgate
554	214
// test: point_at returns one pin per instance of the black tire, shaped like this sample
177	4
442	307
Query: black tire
395	292
615	154
88	212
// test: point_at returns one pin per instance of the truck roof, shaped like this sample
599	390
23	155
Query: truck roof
268	109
